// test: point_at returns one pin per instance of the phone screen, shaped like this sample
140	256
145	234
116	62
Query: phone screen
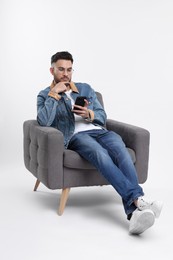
80	101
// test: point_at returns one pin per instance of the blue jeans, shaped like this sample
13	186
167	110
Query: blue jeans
107	152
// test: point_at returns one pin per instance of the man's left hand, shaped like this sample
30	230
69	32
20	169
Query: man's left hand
82	111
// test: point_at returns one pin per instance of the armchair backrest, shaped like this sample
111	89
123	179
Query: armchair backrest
100	98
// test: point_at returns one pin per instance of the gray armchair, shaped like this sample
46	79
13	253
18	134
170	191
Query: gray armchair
59	168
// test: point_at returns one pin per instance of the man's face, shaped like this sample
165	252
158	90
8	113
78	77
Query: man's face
62	71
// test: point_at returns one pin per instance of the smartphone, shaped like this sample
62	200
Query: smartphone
80	101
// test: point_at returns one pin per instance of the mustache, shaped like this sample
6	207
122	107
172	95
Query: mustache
65	79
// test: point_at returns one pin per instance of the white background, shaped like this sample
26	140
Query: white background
123	49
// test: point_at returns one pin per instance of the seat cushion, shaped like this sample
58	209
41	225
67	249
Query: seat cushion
73	160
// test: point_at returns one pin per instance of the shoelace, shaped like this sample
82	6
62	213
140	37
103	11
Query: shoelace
142	203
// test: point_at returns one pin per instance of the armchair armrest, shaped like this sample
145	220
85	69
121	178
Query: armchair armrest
43	153
136	138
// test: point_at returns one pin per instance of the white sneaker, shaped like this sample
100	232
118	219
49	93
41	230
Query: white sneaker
140	221
155	206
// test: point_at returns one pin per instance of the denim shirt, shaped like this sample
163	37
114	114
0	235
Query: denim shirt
58	114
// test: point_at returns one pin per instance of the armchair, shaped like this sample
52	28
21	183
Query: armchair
59	168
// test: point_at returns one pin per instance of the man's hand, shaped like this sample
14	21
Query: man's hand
60	87
82	111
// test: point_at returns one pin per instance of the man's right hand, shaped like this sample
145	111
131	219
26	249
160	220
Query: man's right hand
60	87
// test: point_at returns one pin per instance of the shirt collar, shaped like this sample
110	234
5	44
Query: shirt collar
72	86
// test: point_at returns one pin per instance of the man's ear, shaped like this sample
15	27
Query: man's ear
52	70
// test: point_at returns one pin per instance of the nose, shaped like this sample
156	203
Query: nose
65	72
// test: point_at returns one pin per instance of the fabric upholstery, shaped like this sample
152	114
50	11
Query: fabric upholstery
74	161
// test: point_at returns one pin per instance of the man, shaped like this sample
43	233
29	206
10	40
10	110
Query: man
84	132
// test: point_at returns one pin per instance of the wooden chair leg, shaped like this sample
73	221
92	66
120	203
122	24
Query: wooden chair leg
36	185
63	200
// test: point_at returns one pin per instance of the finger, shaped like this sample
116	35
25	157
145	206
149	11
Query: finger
86	102
77	112
83	113
76	106
78	109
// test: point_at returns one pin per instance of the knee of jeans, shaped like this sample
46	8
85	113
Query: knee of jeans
117	136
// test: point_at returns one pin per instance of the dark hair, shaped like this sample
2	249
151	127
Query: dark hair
63	55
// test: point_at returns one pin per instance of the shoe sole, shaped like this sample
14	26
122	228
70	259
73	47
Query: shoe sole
144	221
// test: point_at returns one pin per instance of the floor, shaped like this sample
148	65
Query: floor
93	225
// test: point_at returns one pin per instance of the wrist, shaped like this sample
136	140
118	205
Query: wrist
91	115
88	117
